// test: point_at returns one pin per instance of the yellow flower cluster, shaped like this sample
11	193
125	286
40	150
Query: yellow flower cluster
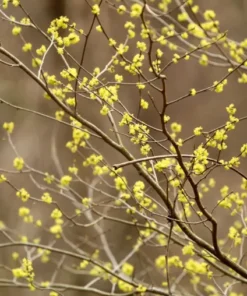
57	227
23	194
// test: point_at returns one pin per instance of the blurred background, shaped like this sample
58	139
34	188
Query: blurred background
42	142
